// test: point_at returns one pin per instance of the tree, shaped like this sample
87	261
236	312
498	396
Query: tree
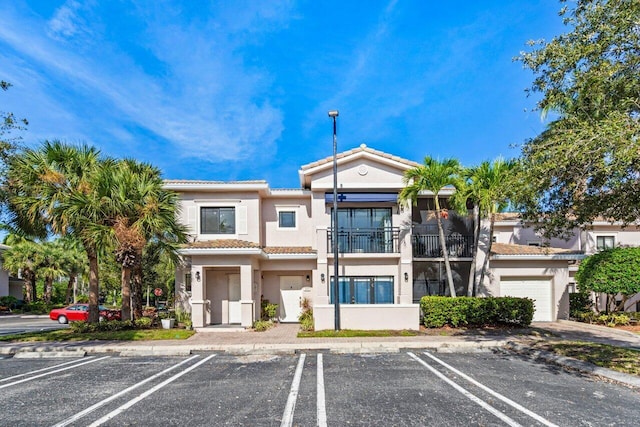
488	188
21	259
611	272
8	124
55	189
587	161
433	175
142	211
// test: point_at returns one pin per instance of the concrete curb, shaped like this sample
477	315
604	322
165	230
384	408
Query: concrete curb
571	363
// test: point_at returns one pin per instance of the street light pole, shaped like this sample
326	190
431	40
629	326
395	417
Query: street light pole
336	282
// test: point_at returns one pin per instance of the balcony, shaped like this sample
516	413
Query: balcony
382	240
428	246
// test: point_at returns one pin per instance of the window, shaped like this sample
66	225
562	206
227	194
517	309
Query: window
364	290
605	242
534	243
286	219
187	282
217	220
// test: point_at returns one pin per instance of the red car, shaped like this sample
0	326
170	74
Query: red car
77	312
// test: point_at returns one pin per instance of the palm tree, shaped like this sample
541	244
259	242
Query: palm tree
21	259
54	189
143	211
50	266
488	188
433	175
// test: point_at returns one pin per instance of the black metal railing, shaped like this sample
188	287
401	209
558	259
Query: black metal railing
428	246
365	240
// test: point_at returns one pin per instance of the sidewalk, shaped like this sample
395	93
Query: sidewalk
283	339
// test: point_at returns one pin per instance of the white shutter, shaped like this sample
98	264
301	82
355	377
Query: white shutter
192	219
241	220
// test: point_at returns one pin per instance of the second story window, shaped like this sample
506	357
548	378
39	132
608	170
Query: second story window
217	220
605	242
286	219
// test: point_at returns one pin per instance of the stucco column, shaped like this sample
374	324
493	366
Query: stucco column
320	288
246	295
199	303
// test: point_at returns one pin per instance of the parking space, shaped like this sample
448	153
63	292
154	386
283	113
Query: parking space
406	388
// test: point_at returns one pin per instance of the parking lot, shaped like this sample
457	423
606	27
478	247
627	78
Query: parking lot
406	388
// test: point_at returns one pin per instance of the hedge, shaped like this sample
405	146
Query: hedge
473	311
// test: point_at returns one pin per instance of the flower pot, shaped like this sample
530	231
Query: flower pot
168	323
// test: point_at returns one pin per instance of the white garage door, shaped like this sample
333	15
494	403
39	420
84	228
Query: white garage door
538	290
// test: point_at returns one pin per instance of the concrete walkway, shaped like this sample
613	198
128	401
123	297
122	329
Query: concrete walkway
283	339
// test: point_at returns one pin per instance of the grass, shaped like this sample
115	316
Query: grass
356	333
128	335
607	356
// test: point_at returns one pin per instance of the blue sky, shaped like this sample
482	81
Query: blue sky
234	90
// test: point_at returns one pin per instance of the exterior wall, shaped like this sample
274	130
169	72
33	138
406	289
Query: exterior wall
4	282
365	316
247	205
556	270
514	232
629	236
301	235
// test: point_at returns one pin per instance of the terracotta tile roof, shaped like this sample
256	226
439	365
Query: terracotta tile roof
362	148
507	216
242	244
222	244
511	249
272	250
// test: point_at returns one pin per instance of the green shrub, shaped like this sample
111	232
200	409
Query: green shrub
268	310
462	311
143	323
306	317
8	301
262	325
579	303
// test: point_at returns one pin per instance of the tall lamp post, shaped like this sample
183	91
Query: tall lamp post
336	283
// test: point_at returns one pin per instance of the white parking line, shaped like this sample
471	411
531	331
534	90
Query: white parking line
287	416
485	405
493	393
117	395
52	372
45	369
320	401
152	390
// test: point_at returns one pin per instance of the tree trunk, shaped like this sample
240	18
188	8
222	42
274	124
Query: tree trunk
48	286
445	252
471	286
70	285
485	263
126	293
94	312
29	288
136	290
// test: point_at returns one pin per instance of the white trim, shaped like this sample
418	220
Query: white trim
215	186
290	256
289	209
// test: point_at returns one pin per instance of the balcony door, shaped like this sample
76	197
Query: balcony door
364	230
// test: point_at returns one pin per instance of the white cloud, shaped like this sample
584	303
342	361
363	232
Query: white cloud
208	102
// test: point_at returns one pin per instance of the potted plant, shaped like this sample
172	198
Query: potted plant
167	320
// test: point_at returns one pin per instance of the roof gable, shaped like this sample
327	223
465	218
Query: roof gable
362	155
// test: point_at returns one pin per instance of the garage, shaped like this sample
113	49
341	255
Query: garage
537	289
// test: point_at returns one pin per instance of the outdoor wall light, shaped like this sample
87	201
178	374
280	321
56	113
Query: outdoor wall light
308	278
322	277
406	276
198	276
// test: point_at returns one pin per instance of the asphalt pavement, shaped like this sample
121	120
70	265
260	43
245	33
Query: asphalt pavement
283	339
